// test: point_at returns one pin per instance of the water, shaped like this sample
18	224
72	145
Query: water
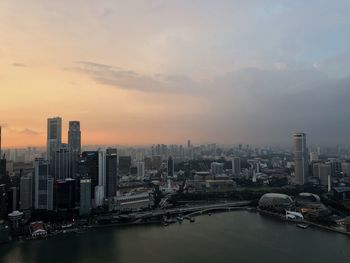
228	237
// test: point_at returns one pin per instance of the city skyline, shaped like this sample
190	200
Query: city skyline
225	72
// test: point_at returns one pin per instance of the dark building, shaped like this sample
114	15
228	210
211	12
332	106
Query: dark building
124	165
111	172
3	201
65	193
90	166
74	142
2	167
170	167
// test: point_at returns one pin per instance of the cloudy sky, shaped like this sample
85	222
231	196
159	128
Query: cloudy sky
163	71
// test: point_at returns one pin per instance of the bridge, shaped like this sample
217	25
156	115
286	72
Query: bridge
193	210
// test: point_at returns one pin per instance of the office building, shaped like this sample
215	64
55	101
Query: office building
43	185
111	172
62	162
236	166
65	190
85	196
324	173
74	137
300	158
74	142
54	136
102	170
26	193
89	166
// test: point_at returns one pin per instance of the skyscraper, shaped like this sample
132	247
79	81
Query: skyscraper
85	196
62	162
43	185
25	192
102	172
74	142
300	158
74	137
111	172
90	163
54	138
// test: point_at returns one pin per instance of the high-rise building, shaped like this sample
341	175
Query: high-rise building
300	158
62	162
102	171
89	164
65	190
54	136
74	137
3	201
74	142
140	170
111	172
43	186
26	193
85	196
170	167
216	168
236	166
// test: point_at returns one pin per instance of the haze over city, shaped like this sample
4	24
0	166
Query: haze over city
142	72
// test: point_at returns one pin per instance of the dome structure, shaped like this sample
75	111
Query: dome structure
308	198
275	201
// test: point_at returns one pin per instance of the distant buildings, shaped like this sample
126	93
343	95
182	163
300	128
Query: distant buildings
170	165
140	170
216	168
300	158
236	166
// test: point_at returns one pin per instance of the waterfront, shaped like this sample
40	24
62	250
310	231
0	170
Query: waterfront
238	236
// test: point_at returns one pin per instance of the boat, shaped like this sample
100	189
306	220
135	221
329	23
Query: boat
303	226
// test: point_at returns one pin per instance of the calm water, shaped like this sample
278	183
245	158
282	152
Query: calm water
227	237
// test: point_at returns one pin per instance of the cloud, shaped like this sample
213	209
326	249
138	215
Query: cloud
132	80
19	65
24	131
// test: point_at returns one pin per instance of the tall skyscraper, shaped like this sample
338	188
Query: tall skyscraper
74	142
102	172
90	163
54	138
236	166
300	158
74	137
62	162
124	165
43	185
111	172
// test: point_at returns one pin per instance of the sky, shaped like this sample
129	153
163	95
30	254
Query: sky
164	71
